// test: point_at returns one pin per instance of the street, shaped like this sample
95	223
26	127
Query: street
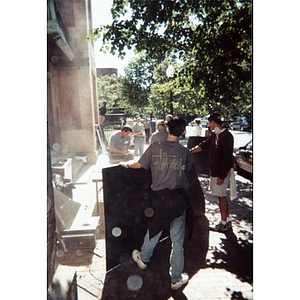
241	138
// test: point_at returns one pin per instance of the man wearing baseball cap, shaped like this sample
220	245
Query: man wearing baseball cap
220	148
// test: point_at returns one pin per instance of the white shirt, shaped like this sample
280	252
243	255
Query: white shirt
197	130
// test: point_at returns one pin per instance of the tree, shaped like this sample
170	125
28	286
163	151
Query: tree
212	39
109	89
184	99
223	59
129	92
136	83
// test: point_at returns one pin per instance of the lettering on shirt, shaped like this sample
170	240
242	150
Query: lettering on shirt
166	161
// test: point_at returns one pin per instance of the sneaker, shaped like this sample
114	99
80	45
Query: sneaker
184	280
137	258
229	224
223	227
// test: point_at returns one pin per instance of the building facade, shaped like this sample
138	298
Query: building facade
72	95
72	105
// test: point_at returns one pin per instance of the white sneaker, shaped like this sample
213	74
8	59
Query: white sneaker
137	258
184	280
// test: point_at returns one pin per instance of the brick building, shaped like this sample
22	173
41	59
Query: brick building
72	105
72	97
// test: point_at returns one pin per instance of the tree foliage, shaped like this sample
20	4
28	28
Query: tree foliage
137	81
211	39
109	89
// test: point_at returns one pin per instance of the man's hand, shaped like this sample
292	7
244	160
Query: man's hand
219	181
196	149
135	165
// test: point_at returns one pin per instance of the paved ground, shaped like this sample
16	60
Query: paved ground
219	265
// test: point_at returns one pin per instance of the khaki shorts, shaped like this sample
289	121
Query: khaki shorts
219	190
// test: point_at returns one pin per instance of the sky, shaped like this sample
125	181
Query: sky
101	15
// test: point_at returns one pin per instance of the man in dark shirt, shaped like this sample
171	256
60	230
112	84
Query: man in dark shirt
220	147
102	112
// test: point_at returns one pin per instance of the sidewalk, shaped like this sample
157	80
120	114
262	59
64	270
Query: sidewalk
219	265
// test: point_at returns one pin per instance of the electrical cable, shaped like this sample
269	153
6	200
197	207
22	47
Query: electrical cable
104	289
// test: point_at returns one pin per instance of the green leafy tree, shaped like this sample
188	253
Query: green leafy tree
212	40
109	89
222	61
136	83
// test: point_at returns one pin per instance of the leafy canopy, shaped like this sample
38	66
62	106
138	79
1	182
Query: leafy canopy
211	39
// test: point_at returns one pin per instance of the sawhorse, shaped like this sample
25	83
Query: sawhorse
97	180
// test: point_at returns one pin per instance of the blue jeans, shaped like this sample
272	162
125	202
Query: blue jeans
177	232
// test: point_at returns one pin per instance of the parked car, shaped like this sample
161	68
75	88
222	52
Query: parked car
243	159
241	123
204	121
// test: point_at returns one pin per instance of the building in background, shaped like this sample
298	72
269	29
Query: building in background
107	71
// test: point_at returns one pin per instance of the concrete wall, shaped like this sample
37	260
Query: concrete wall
51	222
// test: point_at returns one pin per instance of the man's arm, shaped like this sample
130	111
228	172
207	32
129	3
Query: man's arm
227	157
135	165
137	133
196	149
202	146
116	150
